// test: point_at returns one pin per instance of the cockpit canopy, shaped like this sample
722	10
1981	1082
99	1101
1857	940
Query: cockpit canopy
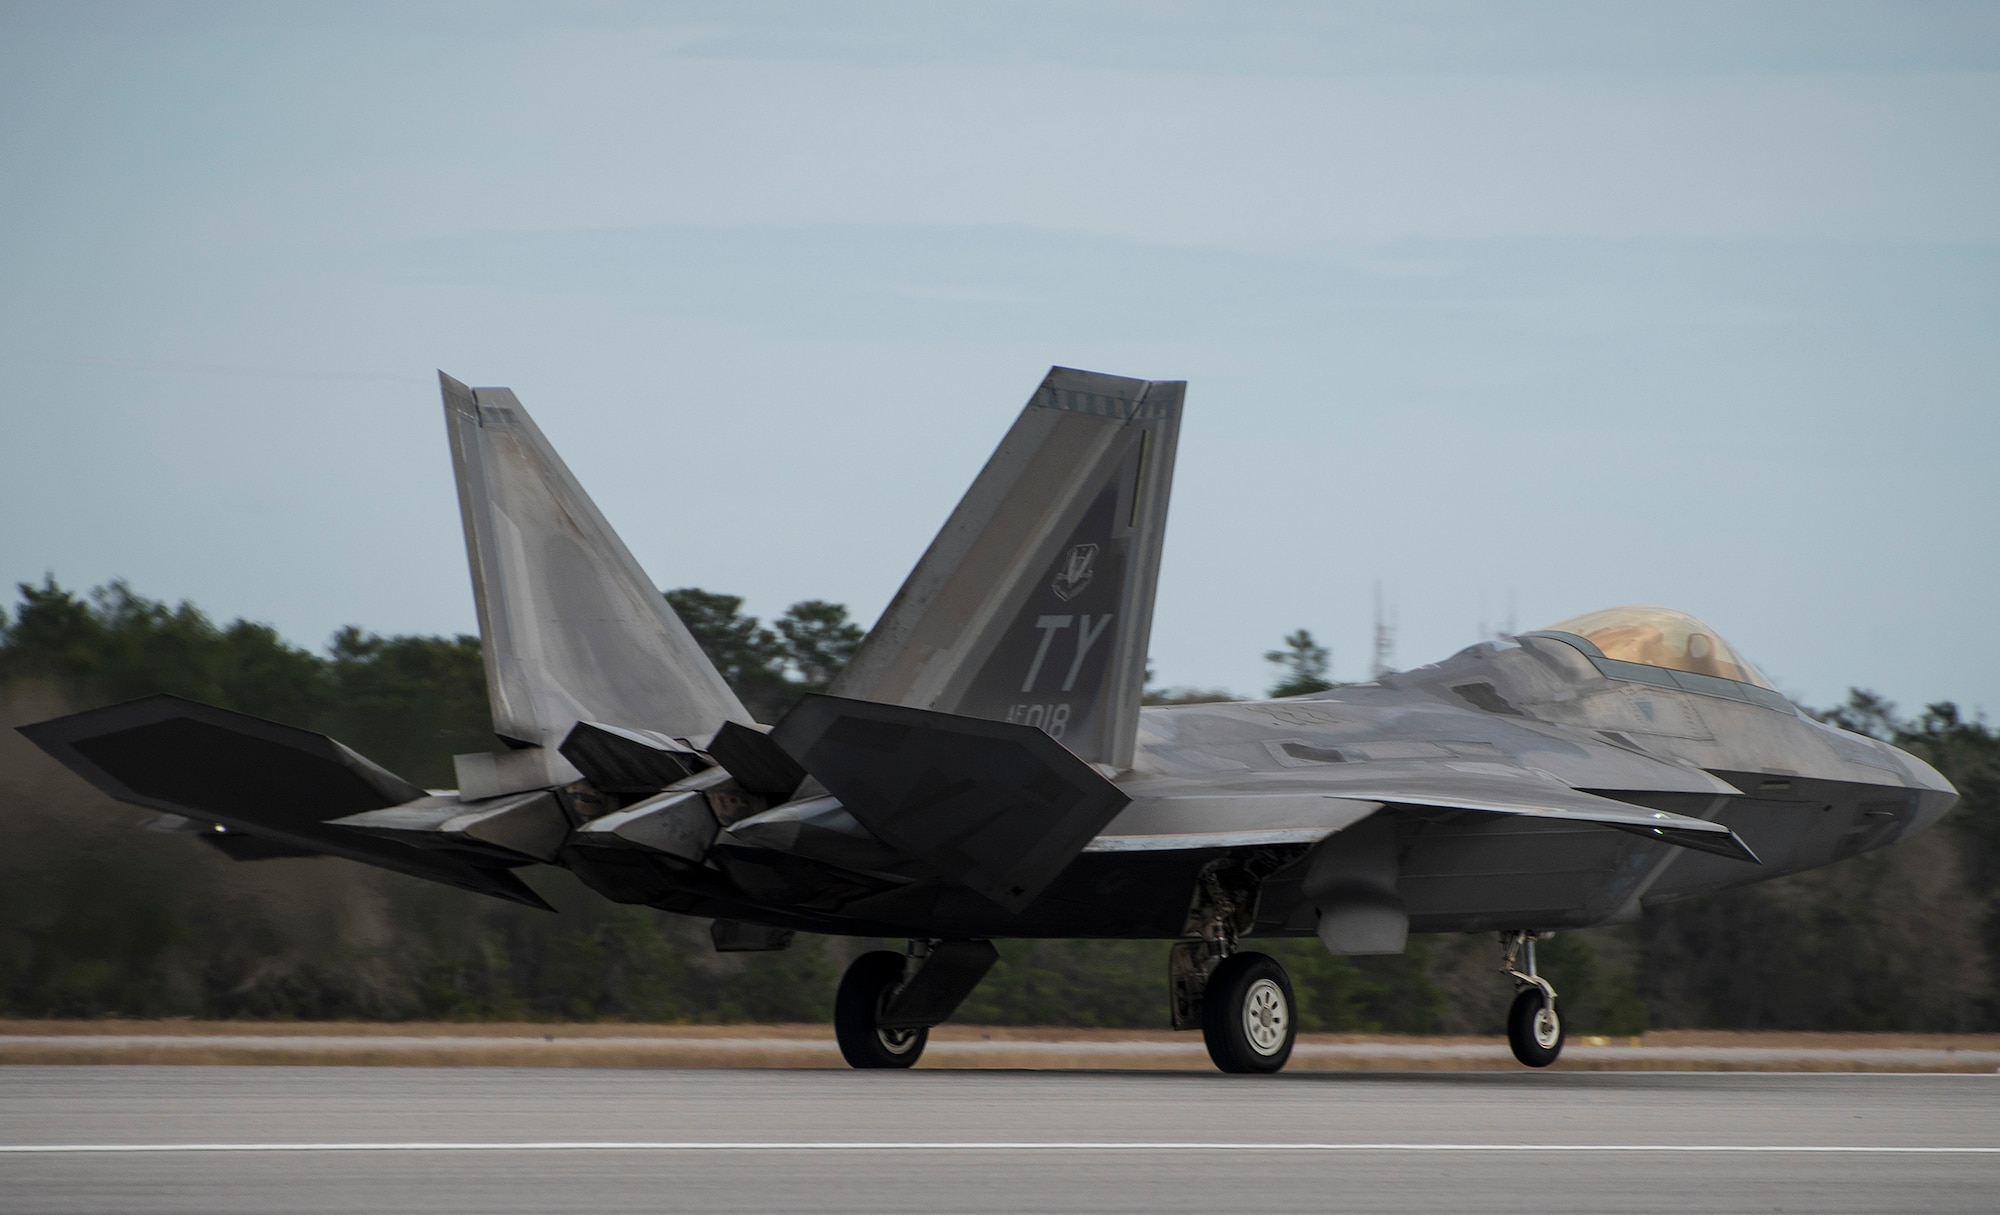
1661	637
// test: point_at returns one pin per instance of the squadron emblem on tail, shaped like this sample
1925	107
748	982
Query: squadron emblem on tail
1075	573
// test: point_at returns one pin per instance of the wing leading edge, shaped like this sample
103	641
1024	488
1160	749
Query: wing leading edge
1234	819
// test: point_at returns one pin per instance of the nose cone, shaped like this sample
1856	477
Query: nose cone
1936	795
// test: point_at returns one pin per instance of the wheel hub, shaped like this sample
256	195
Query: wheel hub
897	1041
1548	1029
1265	1017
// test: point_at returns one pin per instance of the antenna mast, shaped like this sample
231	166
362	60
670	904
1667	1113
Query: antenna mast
1385	638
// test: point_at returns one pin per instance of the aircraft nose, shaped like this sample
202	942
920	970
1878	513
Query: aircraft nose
1936	795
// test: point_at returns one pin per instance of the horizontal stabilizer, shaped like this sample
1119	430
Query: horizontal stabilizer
1002	808
278	783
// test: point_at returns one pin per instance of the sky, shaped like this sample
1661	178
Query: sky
1513	311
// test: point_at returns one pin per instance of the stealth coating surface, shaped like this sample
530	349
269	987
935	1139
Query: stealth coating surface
970	791
1035	602
1002	808
571	628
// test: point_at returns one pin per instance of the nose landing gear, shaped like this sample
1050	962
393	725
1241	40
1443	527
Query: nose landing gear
1534	1027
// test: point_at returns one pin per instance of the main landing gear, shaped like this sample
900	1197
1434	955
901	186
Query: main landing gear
1246	1014
1242	1001
887	1002
865	990
1534	1028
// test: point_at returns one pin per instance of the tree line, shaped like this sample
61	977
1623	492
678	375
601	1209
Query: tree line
100	917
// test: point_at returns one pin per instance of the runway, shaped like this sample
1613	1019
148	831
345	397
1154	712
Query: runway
953	1047
286	1139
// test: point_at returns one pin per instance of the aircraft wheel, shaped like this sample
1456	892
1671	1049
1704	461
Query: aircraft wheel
1534	1028
1247	1018
864	990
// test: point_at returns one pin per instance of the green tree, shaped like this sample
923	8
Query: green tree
769	668
1866	713
1967	752
1185	696
750	657
819	641
120	645
409	703
97	918
1392	993
1303	664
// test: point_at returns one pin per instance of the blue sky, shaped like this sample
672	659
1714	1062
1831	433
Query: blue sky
1551	306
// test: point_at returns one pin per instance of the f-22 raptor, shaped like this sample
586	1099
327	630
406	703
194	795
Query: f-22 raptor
984	768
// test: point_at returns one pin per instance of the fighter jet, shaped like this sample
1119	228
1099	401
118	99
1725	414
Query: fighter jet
984	768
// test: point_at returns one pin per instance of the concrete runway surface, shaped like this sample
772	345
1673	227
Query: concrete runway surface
953	1047
492	1140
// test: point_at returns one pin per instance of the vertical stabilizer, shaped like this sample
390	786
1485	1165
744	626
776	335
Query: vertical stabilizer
1035	602
572	628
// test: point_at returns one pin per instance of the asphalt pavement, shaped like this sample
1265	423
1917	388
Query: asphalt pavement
493	1140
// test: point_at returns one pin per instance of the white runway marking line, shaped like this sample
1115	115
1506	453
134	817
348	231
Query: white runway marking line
994	1146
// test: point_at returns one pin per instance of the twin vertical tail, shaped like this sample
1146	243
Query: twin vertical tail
1035	602
1024	626
1026	620
571	627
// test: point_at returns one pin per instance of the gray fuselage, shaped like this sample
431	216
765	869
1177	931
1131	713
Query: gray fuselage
1273	786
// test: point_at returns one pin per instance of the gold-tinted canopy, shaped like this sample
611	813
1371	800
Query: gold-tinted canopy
1661	637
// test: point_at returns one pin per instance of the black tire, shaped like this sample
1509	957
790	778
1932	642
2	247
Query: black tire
856	1006
1535	1042
1248	1017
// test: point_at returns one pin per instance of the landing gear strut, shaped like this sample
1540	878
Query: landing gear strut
1242	1001
1534	1028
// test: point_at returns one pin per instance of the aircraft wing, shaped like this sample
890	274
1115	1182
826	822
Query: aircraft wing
1502	789
278	785
1225	820
1228	820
